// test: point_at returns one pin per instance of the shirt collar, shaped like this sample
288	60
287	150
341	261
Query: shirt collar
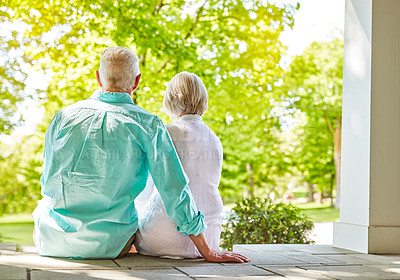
190	117
111	97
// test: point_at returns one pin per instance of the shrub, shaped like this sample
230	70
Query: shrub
261	221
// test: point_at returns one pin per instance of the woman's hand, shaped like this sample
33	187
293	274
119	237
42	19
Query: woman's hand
225	256
213	255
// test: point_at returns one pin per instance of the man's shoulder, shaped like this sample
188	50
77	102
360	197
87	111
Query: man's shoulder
127	109
125	113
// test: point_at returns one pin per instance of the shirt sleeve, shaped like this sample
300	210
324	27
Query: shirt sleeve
47	153
172	183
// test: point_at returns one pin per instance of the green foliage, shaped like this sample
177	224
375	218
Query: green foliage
226	43
20	170
261	221
312	88
12	75
232	45
253	152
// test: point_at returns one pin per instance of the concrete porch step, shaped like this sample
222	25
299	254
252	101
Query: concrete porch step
272	261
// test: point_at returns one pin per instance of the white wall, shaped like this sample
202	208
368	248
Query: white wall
385	121
370	181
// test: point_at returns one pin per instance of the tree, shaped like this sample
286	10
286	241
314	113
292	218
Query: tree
12	73
313	155
255	159
313	84
232	45
19	163
20	172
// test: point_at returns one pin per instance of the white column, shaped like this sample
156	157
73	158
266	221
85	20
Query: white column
370	178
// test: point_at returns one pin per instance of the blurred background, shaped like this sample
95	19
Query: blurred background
273	71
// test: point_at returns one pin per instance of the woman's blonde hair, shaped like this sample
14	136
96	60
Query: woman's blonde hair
185	94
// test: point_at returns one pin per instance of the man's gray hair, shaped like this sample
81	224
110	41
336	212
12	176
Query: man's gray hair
119	67
185	94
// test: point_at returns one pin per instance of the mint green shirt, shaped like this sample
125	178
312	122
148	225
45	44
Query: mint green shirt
98	154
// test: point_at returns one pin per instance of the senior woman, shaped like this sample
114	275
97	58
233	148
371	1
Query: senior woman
200	153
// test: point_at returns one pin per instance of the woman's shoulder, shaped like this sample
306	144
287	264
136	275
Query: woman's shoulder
211	135
182	130
173	130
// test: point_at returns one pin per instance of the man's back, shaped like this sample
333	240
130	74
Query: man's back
98	153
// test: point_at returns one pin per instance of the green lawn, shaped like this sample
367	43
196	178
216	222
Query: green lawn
16	229
320	212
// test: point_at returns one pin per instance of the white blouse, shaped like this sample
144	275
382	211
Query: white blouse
200	152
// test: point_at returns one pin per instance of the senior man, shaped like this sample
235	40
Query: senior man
97	156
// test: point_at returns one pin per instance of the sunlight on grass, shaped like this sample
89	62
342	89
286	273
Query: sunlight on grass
17	229
320	212
16	218
313	205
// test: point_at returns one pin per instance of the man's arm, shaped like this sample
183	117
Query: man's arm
51	133
172	184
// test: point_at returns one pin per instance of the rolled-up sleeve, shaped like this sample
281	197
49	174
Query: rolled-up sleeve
172	182
47	151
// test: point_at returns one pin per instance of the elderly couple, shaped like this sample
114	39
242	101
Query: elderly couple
102	152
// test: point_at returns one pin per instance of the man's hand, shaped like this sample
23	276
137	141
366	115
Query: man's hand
215	256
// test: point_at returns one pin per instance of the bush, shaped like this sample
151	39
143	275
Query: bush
261	221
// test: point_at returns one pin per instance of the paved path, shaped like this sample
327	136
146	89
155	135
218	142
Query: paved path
268	262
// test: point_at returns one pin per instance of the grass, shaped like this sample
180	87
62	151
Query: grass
319	212
300	194
16	229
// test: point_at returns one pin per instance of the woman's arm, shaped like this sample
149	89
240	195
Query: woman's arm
213	255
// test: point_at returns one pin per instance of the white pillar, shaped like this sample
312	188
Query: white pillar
370	178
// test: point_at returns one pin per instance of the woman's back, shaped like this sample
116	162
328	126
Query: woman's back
200	152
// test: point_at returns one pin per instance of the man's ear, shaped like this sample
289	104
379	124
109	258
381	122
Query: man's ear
98	78
137	80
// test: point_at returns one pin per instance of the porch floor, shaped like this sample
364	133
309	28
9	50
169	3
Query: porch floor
268	262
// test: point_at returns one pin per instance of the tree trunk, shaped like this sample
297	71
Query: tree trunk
142	61
337	157
337	152
310	192
331	190
250	170
320	197
135	97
